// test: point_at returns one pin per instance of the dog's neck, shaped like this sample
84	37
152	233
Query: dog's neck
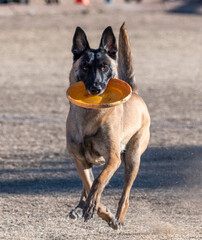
89	115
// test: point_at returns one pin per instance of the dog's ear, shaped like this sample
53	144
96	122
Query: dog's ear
108	42
80	43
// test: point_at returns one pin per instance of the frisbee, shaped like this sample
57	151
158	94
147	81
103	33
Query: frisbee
117	92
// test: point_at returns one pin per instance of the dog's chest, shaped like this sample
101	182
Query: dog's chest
88	135
90	148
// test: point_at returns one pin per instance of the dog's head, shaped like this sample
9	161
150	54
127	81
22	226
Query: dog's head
94	67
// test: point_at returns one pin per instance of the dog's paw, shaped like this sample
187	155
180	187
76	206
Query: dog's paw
76	213
89	210
115	224
92	202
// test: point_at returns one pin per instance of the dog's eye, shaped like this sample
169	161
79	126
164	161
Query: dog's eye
85	68
104	67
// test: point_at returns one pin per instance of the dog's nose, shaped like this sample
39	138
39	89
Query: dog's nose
94	91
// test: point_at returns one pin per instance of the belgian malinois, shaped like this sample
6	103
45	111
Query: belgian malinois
102	136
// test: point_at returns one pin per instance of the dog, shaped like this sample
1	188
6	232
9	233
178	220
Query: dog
102	136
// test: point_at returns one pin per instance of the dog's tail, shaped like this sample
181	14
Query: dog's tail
125	61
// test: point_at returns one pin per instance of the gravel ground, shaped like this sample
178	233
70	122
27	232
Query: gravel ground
39	184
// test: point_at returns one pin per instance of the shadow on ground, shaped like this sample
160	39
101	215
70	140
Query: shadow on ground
160	168
188	7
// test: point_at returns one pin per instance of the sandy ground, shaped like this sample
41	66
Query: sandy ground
39	184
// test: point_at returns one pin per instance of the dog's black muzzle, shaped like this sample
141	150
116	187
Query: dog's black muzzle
96	88
94	91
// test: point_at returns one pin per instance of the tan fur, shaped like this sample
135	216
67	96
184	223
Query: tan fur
125	61
98	136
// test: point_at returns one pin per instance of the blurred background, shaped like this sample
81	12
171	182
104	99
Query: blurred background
39	184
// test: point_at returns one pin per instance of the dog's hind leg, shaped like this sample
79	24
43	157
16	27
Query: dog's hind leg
134	150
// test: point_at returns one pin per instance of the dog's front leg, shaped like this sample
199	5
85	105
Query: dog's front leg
77	212
99	183
85	173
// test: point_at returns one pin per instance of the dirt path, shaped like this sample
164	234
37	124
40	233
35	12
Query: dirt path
38	180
